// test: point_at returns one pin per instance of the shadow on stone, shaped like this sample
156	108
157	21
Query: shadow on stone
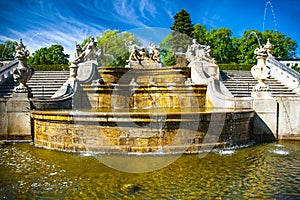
261	132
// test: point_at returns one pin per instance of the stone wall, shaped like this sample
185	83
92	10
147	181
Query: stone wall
276	118
15	121
146	97
130	132
288	118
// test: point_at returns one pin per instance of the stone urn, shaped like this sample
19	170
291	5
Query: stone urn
260	71
22	73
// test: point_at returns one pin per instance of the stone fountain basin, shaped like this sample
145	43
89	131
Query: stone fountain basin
146	96
156	131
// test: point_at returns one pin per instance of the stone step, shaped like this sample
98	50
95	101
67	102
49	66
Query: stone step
42	84
240	83
236	82
272	87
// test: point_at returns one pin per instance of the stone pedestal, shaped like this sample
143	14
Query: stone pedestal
265	119
261	95
146	64
18	117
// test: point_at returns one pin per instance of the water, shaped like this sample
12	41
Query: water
273	15
270	171
254	33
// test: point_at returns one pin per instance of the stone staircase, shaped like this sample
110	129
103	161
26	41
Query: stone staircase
240	84
43	84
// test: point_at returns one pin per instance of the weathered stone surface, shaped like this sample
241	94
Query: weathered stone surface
15	118
64	131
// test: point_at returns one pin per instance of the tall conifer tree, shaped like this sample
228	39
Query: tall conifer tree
183	23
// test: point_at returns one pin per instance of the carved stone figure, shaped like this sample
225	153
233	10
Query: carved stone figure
87	52
22	73
268	47
154	52
199	52
261	71
260	51
142	55
134	52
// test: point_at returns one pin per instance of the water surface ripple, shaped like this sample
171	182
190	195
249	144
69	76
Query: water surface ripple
263	171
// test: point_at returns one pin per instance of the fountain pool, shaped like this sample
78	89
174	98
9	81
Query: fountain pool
254	172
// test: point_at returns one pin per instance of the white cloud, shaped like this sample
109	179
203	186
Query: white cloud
211	21
45	22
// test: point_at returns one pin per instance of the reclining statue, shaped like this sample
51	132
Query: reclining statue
88	51
199	52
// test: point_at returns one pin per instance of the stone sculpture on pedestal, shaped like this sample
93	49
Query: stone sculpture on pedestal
88	52
141	57
23	72
261	71
199	52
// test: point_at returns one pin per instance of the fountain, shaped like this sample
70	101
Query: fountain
144	108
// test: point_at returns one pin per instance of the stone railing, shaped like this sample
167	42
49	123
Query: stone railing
6	72
284	74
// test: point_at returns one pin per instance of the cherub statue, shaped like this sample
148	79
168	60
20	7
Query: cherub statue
154	53
134	51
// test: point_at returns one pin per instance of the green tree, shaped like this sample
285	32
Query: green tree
176	42
113	45
173	45
200	33
7	50
247	44
221	44
52	55
56	54
183	23
284	47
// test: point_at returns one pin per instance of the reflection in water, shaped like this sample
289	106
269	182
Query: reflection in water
270	171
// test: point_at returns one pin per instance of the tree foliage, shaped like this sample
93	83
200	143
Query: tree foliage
174	44
284	47
183	23
200	33
113	45
7	50
177	42
51	55
225	47
220	42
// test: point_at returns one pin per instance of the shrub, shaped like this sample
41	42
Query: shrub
52	67
242	67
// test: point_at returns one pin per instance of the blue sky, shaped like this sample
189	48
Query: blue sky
42	23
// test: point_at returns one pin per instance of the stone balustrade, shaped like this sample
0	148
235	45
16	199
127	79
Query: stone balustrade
284	74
